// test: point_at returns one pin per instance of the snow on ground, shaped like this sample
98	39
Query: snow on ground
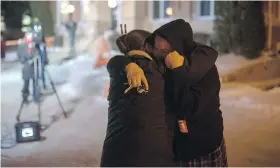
228	62
80	88
11	56
251	120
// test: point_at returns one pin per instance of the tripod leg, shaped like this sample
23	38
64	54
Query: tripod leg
56	94
36	87
25	90
19	111
42	63
43	77
39	111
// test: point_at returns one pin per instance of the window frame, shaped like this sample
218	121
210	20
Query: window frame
161	11
212	10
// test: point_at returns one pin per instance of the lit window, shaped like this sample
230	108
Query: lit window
161	9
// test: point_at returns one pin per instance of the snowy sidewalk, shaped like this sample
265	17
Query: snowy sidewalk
55	55
251	120
81	95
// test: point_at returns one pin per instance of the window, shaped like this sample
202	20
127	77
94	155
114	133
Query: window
160	9
206	9
276	10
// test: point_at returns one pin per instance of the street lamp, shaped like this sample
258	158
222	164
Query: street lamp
112	3
169	11
67	8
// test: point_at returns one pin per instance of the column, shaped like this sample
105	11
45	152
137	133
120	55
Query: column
58	16
82	7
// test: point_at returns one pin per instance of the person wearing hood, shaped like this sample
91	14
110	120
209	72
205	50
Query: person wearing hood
191	91
137	134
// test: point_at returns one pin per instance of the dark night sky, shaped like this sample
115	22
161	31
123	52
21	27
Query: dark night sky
12	12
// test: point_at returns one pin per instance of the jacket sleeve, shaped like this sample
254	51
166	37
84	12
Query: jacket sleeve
200	62
116	65
202	59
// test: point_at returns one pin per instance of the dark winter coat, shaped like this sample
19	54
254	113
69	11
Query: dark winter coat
137	134
193	91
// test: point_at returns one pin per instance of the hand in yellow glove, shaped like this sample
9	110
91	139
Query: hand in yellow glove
174	60
136	76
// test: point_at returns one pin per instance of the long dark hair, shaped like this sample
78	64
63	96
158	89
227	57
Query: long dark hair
135	39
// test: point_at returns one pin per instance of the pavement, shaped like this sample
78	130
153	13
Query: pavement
251	119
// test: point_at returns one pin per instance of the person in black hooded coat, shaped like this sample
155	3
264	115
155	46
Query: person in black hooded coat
191	93
137	134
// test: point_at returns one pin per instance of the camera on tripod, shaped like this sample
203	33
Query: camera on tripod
34	66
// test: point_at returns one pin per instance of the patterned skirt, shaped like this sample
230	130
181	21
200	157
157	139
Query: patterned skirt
218	158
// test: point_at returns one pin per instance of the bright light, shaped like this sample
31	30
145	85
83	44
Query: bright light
169	11
3	27
24	29
64	4
66	9
112	3
71	8
37	28
86	9
26	20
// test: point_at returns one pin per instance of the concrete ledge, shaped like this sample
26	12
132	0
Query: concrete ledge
263	85
256	71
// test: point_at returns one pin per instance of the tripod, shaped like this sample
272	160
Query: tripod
39	69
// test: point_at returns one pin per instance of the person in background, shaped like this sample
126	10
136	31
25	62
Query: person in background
71	27
3	46
40	43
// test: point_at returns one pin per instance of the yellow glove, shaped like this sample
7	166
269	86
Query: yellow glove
136	76
174	60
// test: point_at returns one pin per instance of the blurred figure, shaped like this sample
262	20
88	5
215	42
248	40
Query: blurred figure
3	46
40	44
40	41
137	134
25	52
28	48
71	27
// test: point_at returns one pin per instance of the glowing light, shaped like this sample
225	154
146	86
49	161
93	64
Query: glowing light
66	9
112	3
86	9
37	28
3	27
24	29
71	8
26	20
169	11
